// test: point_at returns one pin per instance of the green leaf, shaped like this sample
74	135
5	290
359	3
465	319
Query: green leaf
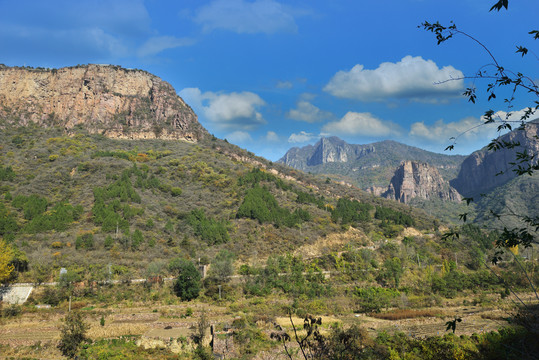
521	49
498	6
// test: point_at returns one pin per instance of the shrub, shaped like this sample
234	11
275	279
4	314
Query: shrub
73	333
373	299
209	229
187	284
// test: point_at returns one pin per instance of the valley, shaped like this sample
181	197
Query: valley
93	197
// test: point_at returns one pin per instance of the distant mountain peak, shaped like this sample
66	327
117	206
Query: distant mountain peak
366	165
333	149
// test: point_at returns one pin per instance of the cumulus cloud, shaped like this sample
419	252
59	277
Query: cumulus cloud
364	124
239	137
470	129
440	130
245	17
301	137
157	44
228	111
411	78
305	111
272	136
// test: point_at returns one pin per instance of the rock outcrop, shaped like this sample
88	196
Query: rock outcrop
107	99
333	149
485	170
413	179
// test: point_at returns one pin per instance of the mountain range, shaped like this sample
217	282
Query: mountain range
412	175
365	166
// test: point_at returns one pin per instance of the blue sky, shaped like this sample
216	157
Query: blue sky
268	75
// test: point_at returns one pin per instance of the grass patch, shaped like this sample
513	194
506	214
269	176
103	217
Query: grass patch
401	314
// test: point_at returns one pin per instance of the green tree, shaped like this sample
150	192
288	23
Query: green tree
222	266
373	299
187	284
72	334
8	224
394	270
137	239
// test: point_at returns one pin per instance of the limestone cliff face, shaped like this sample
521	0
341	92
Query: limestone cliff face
478	173
414	179
333	149
117	102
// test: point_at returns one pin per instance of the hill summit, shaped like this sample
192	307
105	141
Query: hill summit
106	99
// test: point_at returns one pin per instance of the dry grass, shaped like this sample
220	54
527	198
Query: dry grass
114	330
402	314
333	241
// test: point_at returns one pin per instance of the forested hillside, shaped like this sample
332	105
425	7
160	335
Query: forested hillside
88	200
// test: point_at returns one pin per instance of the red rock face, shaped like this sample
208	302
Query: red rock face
414	179
107	99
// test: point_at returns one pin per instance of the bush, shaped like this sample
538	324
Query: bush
373	299
211	230
350	211
187	284
73	333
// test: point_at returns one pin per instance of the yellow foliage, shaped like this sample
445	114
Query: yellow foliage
514	249
141	157
6	253
57	245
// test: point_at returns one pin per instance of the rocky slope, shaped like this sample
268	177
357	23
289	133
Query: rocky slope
414	179
485	170
107	99
369	166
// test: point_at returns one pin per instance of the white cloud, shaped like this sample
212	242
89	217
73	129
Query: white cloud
305	111
364	124
228	111
301	137
469	128
412	78
468	134
157	44
245	17
441	131
284	85
239	137
272	136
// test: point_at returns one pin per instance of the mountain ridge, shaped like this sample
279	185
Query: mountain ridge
365	165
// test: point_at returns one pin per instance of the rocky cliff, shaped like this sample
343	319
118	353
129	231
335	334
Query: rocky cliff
365	165
107	99
485	170
328	150
413	179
